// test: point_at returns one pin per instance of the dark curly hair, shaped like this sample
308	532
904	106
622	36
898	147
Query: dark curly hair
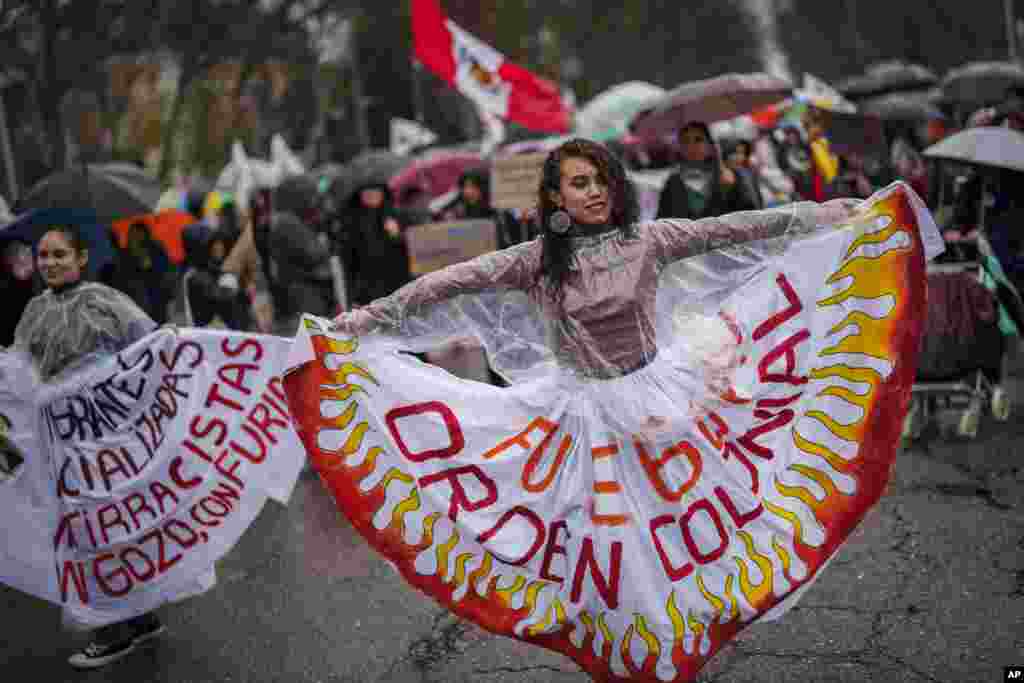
557	252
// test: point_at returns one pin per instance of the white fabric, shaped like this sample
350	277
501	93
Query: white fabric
141	470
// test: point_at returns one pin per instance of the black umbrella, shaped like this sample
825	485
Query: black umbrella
915	106
888	77
112	191
372	166
980	83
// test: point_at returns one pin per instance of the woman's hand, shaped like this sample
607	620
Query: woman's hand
356	322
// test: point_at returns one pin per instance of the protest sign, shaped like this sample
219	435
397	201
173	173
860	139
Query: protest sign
157	460
433	246
515	180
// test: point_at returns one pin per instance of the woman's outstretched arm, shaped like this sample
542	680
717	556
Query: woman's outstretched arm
676	239
512	268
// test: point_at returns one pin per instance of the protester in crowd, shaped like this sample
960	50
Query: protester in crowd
776	187
703	186
205	298
474	201
851	181
738	156
376	255
68	326
18	284
145	273
300	267
908	164
794	156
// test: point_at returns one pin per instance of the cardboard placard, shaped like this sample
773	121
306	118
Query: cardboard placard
515	179
433	246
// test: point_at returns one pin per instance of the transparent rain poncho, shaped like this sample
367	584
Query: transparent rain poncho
633	311
65	331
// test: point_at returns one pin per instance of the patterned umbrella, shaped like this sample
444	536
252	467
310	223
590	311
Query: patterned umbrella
714	99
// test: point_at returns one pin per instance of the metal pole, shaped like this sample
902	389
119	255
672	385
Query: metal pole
1011	29
358	102
417	90
5	145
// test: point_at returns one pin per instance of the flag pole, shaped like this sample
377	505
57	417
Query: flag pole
417	90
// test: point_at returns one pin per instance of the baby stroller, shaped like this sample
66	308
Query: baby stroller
973	314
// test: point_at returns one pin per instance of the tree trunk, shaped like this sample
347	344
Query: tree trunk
167	160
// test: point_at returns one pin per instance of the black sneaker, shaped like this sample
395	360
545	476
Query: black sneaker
96	654
153	630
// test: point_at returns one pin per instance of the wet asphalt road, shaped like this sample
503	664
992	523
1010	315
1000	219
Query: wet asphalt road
930	588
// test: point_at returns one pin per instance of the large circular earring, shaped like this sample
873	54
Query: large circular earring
559	222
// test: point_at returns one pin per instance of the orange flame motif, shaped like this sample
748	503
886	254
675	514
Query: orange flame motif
837	468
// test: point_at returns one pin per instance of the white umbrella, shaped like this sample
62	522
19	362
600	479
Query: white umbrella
607	115
992	146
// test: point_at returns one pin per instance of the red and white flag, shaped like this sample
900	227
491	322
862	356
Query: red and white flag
481	73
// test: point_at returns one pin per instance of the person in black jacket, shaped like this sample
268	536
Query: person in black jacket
144	272
376	254
702	186
204	297
474	201
19	285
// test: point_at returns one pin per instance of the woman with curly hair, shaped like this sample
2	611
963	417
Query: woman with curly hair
594	272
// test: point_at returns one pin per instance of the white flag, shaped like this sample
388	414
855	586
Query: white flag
407	135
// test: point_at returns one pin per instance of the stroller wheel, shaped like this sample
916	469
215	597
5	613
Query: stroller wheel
970	420
1001	404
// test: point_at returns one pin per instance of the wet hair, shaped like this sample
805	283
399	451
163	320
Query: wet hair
73	235
557	250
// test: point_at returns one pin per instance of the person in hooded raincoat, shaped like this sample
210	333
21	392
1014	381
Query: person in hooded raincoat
703	186
376	254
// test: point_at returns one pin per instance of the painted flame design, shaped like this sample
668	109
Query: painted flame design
848	461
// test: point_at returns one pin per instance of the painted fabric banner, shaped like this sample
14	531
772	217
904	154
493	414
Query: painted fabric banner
638	554
127	482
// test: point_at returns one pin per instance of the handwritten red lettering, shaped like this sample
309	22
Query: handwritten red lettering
534	520
456	439
608	588
793	309
553	548
459	497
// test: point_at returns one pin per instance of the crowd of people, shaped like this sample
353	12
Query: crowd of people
259	267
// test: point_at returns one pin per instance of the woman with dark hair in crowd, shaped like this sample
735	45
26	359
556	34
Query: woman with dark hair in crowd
144	272
703	186
70	325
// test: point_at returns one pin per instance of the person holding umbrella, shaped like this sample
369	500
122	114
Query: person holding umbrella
73	323
702	186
